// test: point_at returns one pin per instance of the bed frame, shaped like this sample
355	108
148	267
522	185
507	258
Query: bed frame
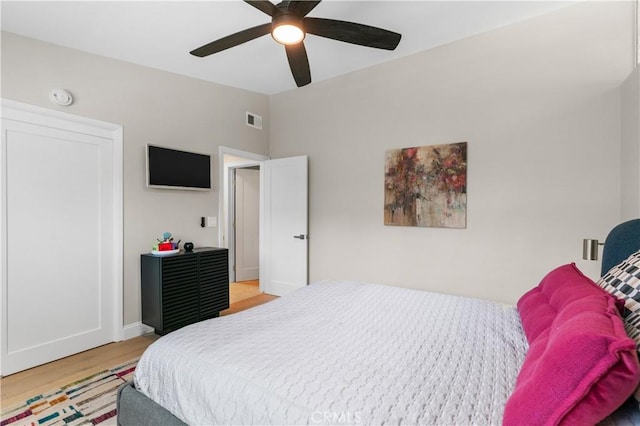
136	409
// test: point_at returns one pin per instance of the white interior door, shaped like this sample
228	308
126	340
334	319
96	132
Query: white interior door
247	221
284	265
61	267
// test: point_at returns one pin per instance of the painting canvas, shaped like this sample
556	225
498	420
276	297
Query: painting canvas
426	186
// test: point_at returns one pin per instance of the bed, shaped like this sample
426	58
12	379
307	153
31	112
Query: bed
359	353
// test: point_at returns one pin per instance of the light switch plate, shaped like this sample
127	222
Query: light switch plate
212	221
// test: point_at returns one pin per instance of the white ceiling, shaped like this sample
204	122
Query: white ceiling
160	34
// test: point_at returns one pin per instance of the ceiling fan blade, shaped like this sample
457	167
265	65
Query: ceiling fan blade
232	40
302	8
263	5
299	63
350	32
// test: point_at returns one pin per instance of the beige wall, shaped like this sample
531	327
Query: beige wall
153	107
630	121
538	103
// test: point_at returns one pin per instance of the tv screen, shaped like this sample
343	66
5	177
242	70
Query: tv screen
174	169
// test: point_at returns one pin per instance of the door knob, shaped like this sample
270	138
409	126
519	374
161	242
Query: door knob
300	237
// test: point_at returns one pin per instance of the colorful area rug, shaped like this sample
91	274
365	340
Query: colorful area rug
89	401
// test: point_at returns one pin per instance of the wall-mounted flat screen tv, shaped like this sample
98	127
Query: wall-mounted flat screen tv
173	169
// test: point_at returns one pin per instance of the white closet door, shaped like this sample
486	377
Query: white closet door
60	266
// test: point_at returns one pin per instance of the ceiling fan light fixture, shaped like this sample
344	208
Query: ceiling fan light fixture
287	34
287	29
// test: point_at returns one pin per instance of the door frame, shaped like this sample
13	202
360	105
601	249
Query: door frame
226	205
27	113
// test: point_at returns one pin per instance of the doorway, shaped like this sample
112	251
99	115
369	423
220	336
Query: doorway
240	212
246	219
283	218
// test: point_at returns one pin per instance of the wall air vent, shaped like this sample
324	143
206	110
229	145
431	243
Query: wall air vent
254	120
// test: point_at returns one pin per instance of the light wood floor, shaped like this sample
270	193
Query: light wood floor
243	290
17	387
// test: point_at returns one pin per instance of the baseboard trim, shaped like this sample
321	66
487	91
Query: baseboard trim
135	329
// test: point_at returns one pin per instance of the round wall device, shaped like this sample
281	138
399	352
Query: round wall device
61	97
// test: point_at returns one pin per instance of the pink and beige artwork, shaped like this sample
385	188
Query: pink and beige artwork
426	186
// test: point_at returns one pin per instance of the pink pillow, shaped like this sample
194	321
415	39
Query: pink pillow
581	366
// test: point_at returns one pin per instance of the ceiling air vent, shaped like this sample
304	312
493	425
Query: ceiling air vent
254	120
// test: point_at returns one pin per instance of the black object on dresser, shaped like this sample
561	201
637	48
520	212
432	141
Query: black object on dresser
184	288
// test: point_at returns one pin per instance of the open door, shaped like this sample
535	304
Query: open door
284	228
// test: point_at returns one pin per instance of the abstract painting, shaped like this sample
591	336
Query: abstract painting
426	186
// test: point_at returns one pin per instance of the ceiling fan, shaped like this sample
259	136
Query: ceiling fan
288	27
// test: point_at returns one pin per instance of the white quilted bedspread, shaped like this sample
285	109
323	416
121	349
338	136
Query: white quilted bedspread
341	353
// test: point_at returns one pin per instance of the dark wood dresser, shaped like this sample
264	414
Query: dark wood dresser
184	288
